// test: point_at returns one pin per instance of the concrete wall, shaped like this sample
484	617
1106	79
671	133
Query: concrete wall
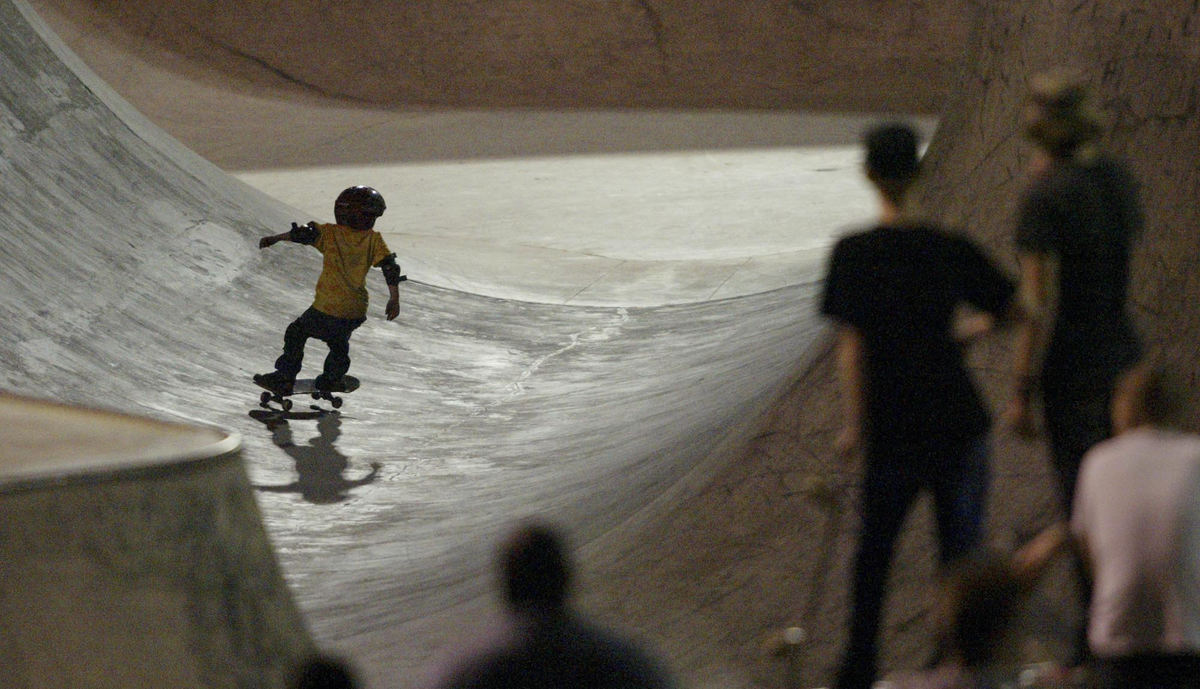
871	55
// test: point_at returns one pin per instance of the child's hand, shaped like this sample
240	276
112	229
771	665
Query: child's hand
392	309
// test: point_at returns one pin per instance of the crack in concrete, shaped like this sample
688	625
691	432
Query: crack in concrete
658	32
280	72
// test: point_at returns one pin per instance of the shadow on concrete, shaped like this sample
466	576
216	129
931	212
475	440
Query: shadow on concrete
320	465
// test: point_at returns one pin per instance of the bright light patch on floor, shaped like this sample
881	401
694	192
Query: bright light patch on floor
547	228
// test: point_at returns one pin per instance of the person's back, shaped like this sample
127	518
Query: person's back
1086	214
543	643
1137	519
900	287
560	650
347	255
1139	504
910	405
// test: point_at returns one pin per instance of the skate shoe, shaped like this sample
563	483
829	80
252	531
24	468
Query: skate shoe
276	382
327	383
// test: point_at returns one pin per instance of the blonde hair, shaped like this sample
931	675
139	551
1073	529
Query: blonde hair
1062	116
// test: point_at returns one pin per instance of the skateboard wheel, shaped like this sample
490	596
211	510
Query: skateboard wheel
287	405
264	398
337	402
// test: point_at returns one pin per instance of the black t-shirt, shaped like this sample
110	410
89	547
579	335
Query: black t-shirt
1087	217
900	287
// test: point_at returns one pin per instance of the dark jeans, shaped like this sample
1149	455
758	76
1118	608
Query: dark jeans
334	332
1149	671
957	476
1073	426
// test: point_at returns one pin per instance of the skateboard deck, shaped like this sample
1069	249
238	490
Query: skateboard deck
305	386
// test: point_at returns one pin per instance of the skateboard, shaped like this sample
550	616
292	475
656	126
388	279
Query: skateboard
304	386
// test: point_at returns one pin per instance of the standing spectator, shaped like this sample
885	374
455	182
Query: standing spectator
910	402
1137	520
543	643
1076	227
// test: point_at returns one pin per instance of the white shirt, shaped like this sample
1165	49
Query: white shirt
1137	506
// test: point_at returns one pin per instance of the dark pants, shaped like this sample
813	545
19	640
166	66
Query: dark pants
957	476
334	332
1073	426
1149	671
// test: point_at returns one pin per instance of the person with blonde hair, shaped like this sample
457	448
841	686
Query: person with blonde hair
1077	224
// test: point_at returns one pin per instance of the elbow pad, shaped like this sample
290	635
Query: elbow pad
304	234
391	270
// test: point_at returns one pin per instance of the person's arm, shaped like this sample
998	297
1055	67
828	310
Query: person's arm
849	354
393	277
273	240
989	300
1033	558
1036	300
301	234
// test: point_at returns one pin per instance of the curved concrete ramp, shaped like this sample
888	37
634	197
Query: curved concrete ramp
132	555
132	280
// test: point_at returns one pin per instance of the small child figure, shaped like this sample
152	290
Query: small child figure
351	247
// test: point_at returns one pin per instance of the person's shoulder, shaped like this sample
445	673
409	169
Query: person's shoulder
1048	186
929	230
1115	169
1120	449
923	233
874	238
852	246
489	668
1111	163
855	236
1189	443
622	653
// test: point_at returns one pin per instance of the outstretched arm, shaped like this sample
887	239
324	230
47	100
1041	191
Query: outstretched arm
301	234
272	240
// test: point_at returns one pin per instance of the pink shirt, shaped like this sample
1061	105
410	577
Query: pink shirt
1137	507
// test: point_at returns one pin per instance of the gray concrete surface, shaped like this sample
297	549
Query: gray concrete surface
132	281
132	554
850	55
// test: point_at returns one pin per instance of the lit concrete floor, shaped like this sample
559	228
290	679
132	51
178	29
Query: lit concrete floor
630	226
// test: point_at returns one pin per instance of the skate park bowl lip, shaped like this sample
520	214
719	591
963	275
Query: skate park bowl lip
46	440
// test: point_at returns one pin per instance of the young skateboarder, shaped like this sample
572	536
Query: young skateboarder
350	247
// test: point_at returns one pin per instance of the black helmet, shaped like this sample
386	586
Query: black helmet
366	198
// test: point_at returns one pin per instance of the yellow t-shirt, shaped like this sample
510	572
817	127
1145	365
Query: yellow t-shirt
349	255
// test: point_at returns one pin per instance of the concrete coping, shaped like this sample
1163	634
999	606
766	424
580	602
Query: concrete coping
43	440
